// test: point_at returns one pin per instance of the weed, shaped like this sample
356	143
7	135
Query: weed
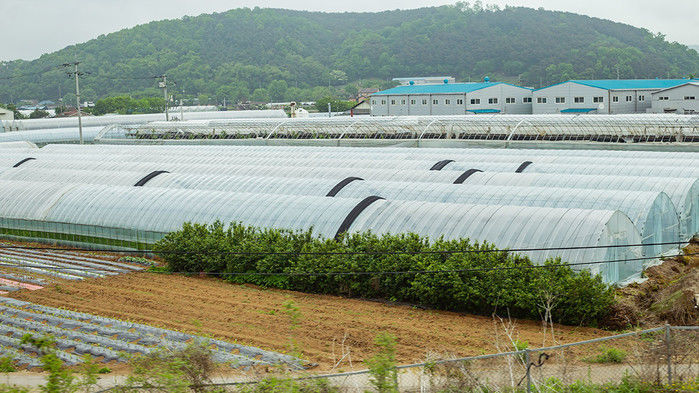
382	366
608	355
6	365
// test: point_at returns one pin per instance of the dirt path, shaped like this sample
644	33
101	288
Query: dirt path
255	316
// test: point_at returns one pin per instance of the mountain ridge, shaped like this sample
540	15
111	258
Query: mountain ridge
275	54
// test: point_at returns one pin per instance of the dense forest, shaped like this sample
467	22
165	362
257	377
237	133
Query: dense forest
278	55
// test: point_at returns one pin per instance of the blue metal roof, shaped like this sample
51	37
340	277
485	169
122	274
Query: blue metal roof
483	110
628	84
444	88
578	110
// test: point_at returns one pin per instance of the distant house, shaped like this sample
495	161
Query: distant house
681	99
452	99
362	108
365	92
6	114
609	96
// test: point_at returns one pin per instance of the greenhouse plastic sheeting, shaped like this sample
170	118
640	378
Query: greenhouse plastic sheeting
102	121
653	213
502	127
360	158
377	153
53	135
518	227
137	215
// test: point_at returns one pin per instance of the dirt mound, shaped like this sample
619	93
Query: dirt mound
669	295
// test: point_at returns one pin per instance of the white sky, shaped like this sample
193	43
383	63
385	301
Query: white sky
32	27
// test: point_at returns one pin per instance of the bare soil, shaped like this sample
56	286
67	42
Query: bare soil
257	317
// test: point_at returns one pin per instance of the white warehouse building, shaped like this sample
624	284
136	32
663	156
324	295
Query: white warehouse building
609	96
452	99
681	99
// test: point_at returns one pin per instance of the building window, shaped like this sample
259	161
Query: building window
527	100
509	100
492	100
597	99
373	102
579	100
663	98
424	102
641	98
615	99
393	102
459	101
435	102
383	102
412	102
560	100
688	97
402	102
540	100
475	101
629	98
447	102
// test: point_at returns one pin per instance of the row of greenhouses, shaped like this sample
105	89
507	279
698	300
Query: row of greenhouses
595	128
572	204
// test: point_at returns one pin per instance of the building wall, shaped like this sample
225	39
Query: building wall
638	102
676	100
6	114
568	91
453	103
501	92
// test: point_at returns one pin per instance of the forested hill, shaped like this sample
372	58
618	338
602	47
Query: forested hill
274	54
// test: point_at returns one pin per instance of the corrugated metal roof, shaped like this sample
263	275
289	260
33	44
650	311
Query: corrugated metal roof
691	82
444	88
630	84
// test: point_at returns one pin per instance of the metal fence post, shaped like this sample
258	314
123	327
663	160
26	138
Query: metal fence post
527	361
668	348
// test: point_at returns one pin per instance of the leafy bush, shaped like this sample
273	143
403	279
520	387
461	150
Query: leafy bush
462	277
6	365
608	355
382	366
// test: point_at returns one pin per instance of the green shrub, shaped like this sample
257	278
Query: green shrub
471	281
6	365
608	355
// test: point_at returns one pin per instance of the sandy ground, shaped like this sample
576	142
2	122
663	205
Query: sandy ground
256	316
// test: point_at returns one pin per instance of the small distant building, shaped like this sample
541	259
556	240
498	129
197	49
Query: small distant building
365	92
6	114
362	108
452	99
681	99
609	96
424	80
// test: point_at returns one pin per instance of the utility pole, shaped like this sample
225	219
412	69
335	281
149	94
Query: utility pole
163	85
77	74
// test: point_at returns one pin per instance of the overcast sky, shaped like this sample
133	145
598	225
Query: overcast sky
30	28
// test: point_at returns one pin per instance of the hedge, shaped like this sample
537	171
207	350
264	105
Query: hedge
507	282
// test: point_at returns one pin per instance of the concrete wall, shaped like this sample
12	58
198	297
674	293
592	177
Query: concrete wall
676	101
6	114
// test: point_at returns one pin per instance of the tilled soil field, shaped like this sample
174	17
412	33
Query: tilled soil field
257	317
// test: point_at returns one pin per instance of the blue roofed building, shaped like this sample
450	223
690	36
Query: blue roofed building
609	96
447	98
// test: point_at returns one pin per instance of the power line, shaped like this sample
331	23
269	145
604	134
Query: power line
394	252
30	74
358	273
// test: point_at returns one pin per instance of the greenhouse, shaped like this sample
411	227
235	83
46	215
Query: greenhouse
632	128
135	217
653	213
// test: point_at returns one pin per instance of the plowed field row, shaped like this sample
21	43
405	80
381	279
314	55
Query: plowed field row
255	316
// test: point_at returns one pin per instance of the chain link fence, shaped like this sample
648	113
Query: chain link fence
667	357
